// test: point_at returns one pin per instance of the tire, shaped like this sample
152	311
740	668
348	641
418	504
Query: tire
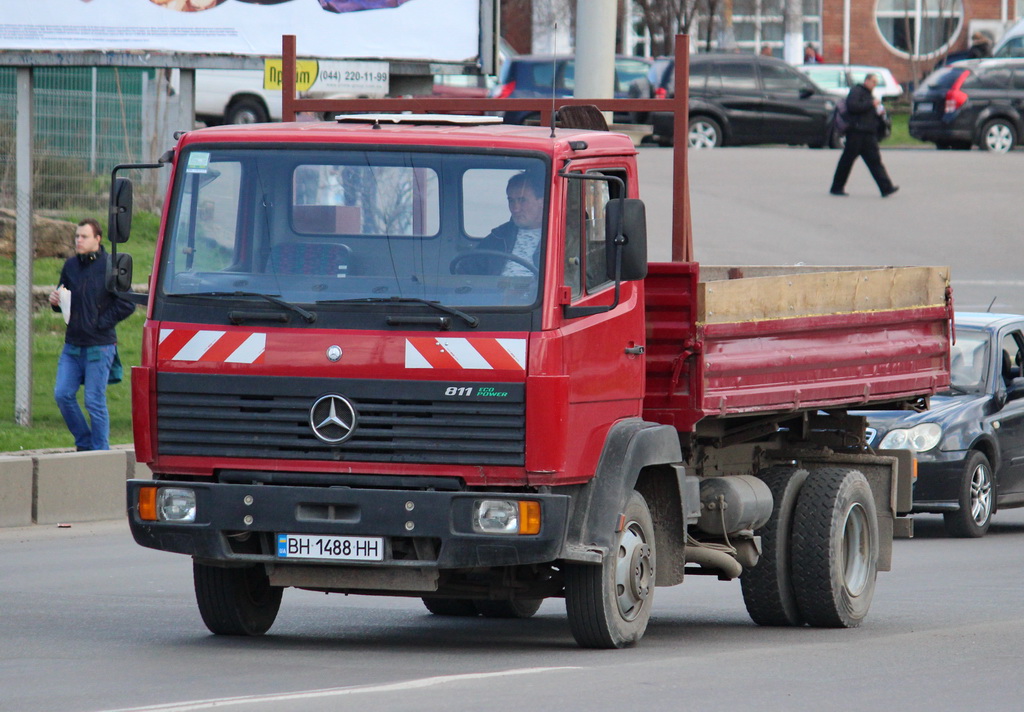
236	601
998	136
609	604
246	111
455	607
704	132
977	495
768	587
519	608
834	548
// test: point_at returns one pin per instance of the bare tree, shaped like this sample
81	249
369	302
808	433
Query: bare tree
664	19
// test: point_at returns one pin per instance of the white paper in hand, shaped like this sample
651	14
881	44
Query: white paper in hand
65	302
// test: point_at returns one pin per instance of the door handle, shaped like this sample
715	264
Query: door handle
635	350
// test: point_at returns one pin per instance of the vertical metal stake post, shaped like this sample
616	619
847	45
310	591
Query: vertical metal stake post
23	251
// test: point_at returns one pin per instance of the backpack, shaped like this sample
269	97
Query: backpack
840	119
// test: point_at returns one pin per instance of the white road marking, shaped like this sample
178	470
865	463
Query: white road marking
224	702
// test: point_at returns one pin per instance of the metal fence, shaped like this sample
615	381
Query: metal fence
86	120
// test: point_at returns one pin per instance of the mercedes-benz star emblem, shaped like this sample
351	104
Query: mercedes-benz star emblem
333	353
333	418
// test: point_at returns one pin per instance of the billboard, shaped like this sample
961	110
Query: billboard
436	30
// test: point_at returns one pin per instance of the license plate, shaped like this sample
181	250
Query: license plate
340	548
922	107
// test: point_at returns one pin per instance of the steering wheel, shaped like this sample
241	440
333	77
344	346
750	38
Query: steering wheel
507	256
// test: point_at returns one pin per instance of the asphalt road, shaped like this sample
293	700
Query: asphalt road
91	622
757	206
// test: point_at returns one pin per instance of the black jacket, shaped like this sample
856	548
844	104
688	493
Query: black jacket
502	239
94	311
860	106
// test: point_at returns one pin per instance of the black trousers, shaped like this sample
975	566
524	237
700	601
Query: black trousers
865	145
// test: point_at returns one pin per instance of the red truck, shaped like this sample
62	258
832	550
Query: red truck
350	383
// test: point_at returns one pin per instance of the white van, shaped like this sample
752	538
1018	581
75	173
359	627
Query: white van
235	96
1011	44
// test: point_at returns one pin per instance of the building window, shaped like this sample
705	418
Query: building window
922	28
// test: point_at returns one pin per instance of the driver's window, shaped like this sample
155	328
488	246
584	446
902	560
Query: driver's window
585	248
1012	356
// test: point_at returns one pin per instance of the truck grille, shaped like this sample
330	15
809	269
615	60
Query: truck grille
414	422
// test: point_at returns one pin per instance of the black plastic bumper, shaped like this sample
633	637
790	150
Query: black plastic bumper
238	523
939	482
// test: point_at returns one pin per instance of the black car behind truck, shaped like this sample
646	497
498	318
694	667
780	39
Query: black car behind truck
976	102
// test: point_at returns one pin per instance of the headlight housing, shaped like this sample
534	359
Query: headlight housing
506	516
167	504
919	438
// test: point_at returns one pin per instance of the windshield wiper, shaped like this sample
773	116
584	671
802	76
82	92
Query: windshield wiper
309	316
471	320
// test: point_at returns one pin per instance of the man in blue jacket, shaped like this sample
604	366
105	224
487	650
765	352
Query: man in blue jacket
90	341
865	116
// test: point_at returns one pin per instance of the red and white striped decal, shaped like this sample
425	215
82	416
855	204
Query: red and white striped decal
487	354
209	346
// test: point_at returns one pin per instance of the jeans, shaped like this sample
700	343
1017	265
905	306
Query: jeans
88	366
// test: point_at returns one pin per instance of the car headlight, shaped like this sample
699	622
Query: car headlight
916	439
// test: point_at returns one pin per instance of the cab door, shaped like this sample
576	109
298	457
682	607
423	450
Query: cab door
602	353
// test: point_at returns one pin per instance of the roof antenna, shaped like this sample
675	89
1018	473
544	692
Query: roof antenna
989	310
554	65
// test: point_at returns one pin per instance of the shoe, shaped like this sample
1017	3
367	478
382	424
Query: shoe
889	192
838	192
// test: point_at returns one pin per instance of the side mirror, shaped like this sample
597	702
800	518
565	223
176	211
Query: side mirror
628	216
119	278
806	93
120	211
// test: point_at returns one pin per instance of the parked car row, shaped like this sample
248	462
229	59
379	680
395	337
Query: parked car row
970	443
972	102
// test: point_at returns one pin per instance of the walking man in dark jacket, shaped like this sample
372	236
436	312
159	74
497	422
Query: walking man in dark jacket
90	341
865	113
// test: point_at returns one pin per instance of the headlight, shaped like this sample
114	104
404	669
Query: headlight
167	504
916	439
506	516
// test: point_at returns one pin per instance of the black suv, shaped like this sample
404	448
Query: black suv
530	76
973	102
738	99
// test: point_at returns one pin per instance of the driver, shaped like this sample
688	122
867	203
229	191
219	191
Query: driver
520	236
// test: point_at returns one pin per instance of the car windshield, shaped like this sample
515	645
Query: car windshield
327	225
969	361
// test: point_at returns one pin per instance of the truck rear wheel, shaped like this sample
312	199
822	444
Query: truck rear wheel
609	604
768	587
460	607
835	548
236	601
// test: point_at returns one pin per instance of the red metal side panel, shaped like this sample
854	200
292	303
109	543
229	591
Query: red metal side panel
674	370
825	361
853	359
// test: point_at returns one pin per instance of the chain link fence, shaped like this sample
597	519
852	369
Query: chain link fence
86	121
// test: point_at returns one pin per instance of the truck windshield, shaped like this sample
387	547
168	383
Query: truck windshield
343	227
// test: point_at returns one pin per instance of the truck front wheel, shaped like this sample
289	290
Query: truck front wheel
768	587
835	548
609	604
236	601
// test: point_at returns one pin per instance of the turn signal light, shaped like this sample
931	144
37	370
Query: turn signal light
147	504
529	517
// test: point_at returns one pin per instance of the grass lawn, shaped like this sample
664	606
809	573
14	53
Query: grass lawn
46	270
48	429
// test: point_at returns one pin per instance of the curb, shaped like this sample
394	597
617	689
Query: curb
61	486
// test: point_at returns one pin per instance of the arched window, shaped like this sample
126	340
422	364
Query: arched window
919	27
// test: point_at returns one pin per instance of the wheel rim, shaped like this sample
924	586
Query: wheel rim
703	135
999	138
856	550
981	495
246	116
633	572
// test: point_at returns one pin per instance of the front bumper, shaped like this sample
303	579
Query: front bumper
939	481
237	524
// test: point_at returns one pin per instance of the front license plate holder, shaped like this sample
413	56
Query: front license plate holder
333	548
